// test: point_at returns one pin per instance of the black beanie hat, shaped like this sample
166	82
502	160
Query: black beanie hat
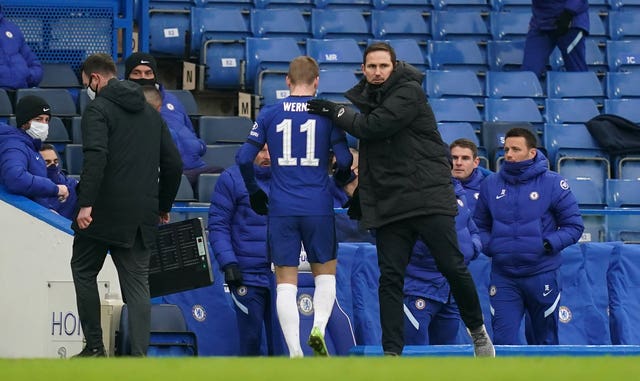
30	107
139	59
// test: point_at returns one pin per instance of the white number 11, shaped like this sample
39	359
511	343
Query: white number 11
308	161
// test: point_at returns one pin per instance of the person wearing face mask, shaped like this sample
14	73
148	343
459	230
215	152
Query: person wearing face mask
130	176
142	69
67	207
526	215
22	169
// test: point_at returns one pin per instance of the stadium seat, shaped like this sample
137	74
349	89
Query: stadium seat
272	4
563	84
6	108
450	131
513	84
221	155
185	191
409	50
60	100
333	84
510	26
623	281
623	56
400	23
343	53
628	167
280	22
623	193
57	131
168	30
58	75
243	4
505	55
206	185
452	83
266	58
624	25
419	5
623	84
73	158
493	136
625	5
340	23
463	54
628	108
225	129
76	130
512	110
460	5
594	55
623	227
459	24
187	99
218	35
570	110
571	140
361	5
510	5
598	25
455	110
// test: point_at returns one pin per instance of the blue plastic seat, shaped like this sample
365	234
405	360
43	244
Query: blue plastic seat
623	228
455	110
623	55
281	22
493	137
267	57
460	4
628	167
510	5
450	131
60	100
206	185
419	5
628	108
185	191
512	110
168	30
334	83
340	23
341	53
460	24
563	84
225	129
58	75
306	5
509	25
187	99
623	193
594	55
623	84
452	83
6	108
57	131
513	84
598	25
570	110
625	5
73	158
400	23
462	54
573	142
221	155
361	5
505	55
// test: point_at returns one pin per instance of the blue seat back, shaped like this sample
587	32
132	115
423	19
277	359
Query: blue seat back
623	84
281	22
443	83
623	193
225	129
624	25
564	84
459	24
455	110
623	55
168	31
628	108
444	55
510	25
450	131
340	23
334	82
505	55
570	110
400	23
268	54
221	155
513	84
337	52
512	110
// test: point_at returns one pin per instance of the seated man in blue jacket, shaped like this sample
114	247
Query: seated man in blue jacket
238	237
431	314
526	215
67	207
22	169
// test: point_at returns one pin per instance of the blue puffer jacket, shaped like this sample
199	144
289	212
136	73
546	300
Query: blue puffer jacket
68	207
472	186
19	66
236	233
22	169
422	277
518	209
545	13
190	146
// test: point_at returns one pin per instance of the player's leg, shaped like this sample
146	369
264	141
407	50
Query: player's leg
318	237
573	48
418	312
542	300
537	48
284	248
250	303
507	304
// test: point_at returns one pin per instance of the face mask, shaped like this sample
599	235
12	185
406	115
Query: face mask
38	130
144	81
53	170
91	93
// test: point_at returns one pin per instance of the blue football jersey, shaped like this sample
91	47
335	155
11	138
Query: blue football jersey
299	146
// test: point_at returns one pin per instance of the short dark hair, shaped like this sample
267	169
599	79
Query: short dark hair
465	143
99	63
379	46
529	137
48	146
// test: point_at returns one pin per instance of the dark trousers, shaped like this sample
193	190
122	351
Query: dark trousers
395	243
133	270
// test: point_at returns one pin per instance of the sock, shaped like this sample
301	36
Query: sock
323	299
288	317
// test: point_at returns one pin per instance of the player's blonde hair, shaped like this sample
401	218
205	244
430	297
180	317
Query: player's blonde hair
303	70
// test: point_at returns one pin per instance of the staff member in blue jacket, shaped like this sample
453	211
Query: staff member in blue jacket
561	23
19	66
431	314
466	168
238	236
526	215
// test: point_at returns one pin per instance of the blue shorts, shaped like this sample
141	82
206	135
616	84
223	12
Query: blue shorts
317	233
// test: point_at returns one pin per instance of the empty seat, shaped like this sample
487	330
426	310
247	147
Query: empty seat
623	84
206	185
340	23
224	129
625	5
168	30
337	53
60	100
623	193
586	179
563	84
187	99
408	50
505	55
267	57
281	22
76	130
597	25
185	191
362	5
271	4
221	155
570	110
334	83
460	24
400	23
6	108
628	108
460	4
450	131
506	5
57	131
455	110
624	25
456	83
419	5
58	75
509	25
629	167
570	140
73	158
463	54
623	227
512	110
513	84
623	55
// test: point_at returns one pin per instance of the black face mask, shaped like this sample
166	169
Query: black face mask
144	81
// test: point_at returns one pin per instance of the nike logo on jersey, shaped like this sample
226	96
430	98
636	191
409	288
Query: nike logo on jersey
502	194
545	293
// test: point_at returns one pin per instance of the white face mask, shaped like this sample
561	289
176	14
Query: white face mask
90	93
38	130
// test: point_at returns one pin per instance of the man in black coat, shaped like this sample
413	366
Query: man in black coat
130	177
405	188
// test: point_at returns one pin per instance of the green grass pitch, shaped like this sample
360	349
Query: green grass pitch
324	369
